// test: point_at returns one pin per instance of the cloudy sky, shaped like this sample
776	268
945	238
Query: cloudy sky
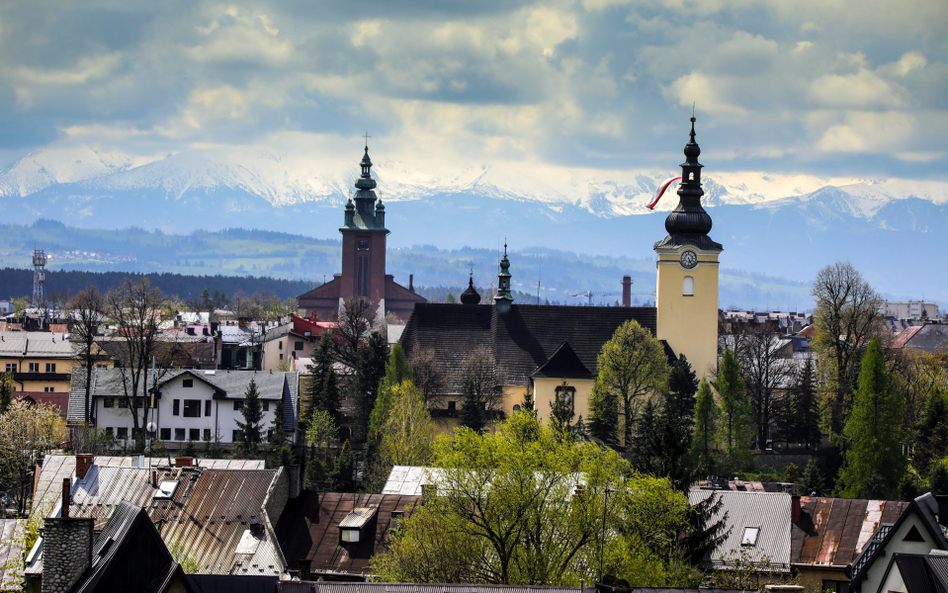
830	87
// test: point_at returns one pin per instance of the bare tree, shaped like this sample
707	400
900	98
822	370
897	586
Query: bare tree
87	312
766	373
355	323
847	317
428	376
478	375
135	307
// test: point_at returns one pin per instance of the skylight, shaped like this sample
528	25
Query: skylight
166	489
750	536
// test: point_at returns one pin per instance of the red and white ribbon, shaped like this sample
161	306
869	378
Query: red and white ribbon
660	191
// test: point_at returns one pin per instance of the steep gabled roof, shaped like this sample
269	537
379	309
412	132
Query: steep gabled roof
563	364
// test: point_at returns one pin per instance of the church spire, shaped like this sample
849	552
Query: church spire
504	297
364	210
689	223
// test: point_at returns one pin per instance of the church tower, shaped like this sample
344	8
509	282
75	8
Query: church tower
686	295
363	240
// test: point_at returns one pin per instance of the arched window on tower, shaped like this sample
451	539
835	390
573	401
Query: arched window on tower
688	286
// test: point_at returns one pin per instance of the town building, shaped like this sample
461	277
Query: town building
189	405
930	338
363	260
40	362
909	310
539	347
287	343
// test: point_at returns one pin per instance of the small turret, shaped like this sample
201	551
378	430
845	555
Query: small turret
470	296
504	297
364	210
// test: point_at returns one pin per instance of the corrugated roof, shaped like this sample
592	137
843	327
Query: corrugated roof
768	511
358	517
834	531
407	480
11	572
348	587
309	529
209	513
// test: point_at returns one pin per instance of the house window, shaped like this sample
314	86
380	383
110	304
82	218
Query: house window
192	408
281	356
363	244
452	406
108	402
280	345
49	389
266	406
50	367
207	407
194	434
298	346
269	434
108	431
187	383
165	434
176	407
236	436
237	405
122	402
179	434
34	367
122	432
566	394
207	434
688	286
11	367
750	536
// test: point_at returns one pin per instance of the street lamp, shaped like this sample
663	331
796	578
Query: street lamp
151	427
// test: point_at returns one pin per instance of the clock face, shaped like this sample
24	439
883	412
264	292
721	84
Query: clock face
689	259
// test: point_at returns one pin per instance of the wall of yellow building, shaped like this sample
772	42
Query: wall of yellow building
63	366
544	394
689	323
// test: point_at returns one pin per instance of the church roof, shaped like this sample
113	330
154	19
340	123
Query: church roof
564	364
519	341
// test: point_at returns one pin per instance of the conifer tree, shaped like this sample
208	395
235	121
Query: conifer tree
562	409
873	462
932	433
735	428
706	427
7	387
280	453
369	372
397	371
249	437
804	408
682	387
604	415
811	482
323	389
472	410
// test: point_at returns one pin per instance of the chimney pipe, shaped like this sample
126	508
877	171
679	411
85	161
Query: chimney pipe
627	291
183	461
942	500
795	509
411	282
83	463
154	478
65	506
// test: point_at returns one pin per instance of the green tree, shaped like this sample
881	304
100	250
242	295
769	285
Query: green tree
280	455
249	436
682	387
450	299
632	367
563	408
323	388
408	428
604	415
7	387
938	480
735	430
330	463
507	510
804	407
873	462
811	482
397	371
932	439
706	427
369	371
472	413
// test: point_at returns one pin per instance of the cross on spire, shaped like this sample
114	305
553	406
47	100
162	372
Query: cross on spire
367	140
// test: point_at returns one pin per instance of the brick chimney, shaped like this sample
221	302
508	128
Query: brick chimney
184	462
795	509
296	480
83	463
411	282
305	569
627	291
67	548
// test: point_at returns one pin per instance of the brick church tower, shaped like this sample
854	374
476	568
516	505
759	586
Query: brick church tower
363	259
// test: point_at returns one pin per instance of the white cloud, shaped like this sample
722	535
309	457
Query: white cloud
862	89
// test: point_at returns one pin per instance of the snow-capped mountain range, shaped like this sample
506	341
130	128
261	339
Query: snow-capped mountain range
788	225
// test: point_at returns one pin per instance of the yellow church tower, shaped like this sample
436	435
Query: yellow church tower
686	294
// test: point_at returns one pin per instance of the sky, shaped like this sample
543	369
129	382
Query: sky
826	87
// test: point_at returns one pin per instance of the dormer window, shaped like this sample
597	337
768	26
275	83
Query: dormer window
352	527
750	536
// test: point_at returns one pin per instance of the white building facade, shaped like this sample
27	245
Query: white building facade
189	405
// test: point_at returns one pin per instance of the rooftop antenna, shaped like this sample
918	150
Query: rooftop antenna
539	279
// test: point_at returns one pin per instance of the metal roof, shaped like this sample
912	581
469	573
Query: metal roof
358	517
407	480
208	514
11	574
768	511
15	344
348	587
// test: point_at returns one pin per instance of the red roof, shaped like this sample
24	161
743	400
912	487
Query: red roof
902	338
313	326
57	399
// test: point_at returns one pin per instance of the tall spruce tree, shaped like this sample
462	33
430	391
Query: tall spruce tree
873	461
735	430
281	455
472	414
604	415
805	408
682	387
706	427
323	389
811	482
370	369
249	437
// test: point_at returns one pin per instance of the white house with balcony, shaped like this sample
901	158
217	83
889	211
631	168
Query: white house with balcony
188	405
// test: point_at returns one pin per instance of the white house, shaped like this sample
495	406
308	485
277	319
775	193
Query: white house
189	405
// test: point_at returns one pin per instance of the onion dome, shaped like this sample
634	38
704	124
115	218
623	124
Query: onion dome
470	296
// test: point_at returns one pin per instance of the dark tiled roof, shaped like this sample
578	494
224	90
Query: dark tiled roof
564	363
915	574
521	340
308	529
226	583
682	239
835	531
